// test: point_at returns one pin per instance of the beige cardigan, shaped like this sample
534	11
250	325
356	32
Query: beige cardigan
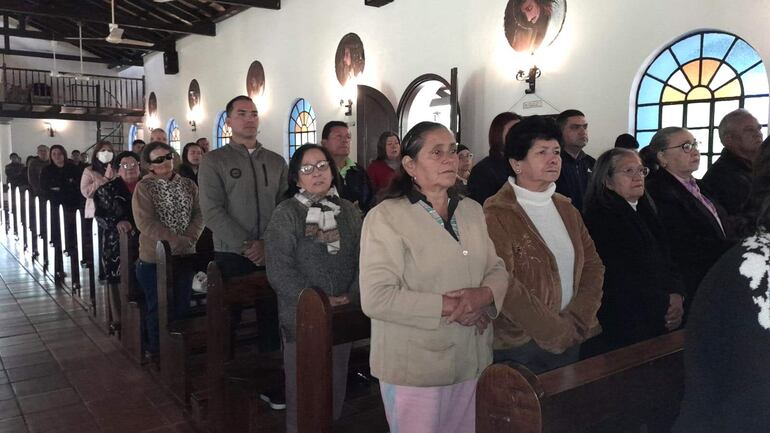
407	262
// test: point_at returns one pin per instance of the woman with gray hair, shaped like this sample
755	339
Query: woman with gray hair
642	293
697	227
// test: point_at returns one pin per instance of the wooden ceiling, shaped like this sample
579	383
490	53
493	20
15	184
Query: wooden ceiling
160	22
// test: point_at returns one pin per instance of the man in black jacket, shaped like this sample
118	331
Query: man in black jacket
576	165
728	181
355	185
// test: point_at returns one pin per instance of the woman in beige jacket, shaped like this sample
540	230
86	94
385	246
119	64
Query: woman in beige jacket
556	274
431	282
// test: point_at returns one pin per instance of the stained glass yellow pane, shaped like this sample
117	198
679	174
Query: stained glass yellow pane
709	67
692	70
733	88
672	95
303	118
699	92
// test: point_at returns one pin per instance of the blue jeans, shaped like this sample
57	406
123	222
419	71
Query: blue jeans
146	275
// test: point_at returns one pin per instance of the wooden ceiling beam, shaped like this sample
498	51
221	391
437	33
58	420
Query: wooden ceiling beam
43	55
57	10
265	4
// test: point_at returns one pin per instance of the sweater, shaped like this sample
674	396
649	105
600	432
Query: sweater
408	262
90	181
295	261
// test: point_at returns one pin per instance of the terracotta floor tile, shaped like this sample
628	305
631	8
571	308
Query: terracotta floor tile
25	360
15	330
40	385
9	409
50	400
32	371
18	339
6	392
56	419
13	425
22	349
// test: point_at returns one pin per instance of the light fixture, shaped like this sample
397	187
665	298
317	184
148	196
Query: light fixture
49	129
192	125
529	78
348	105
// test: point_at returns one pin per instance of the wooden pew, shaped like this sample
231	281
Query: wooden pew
131	297
619	391
228	404
181	338
319	327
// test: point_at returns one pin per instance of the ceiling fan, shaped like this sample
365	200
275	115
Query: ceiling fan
77	76
116	34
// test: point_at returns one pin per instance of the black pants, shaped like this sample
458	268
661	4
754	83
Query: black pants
269	337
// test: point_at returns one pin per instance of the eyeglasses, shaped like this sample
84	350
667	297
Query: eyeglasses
686	146
161	159
631	171
439	154
131	165
308	169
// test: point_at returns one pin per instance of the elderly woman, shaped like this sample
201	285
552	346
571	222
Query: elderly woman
382	169
492	172
430	282
97	174
727	382
192	154
697	227
112	203
165	207
312	241
464	168
556	275
642	292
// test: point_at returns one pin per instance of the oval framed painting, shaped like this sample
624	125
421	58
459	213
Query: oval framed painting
255	80
193	94
152	104
349	60
530	24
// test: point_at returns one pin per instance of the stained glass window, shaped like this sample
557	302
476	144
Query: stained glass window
223	131
173	136
302	127
694	83
131	136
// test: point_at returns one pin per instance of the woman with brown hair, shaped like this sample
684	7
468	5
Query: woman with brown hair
490	173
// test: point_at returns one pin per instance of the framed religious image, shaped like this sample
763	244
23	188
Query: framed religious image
349	60
530	24
152	104
255	80
193	94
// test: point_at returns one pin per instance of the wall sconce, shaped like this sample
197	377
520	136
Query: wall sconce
348	105
529	78
49	129
192	125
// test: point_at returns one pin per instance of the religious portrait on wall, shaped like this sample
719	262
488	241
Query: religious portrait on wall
530	24
255	80
152	104
349	60
193	94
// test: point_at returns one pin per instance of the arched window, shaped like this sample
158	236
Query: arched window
222	131
694	82
302	126
173	135
131	135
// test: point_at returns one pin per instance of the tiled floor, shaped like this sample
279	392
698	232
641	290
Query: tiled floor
60	373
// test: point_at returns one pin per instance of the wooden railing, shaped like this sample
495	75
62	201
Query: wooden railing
40	87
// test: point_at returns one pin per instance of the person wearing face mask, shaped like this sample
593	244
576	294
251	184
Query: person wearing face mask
97	174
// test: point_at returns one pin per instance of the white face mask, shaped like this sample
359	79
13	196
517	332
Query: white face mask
104	156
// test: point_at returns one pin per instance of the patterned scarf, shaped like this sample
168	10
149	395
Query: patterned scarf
320	223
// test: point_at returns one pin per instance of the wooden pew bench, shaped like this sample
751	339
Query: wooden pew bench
618	391
131	297
319	327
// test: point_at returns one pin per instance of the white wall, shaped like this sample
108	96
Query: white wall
27	134
592	66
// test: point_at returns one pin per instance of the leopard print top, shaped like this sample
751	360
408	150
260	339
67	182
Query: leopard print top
173	201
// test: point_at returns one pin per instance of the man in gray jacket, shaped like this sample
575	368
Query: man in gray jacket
240	185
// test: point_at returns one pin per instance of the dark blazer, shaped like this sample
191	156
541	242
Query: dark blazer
356	188
574	177
61	185
487	177
187	171
696	240
639	275
729	182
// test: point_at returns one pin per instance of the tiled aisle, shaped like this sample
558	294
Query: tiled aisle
60	373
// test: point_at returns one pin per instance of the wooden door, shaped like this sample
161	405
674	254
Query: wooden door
374	115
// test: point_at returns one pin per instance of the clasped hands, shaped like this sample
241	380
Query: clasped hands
468	307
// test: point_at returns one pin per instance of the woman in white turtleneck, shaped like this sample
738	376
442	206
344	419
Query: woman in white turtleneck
642	286
555	273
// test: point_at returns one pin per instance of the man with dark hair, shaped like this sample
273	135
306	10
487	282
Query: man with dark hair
729	180
203	143
16	172
35	167
576	165
354	182
240	185
137	146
